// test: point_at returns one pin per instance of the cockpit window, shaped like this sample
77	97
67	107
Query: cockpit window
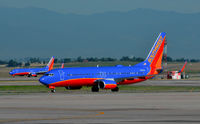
49	74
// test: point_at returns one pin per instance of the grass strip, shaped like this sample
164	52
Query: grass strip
126	88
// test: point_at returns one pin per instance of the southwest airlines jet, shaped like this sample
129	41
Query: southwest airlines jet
33	71
107	77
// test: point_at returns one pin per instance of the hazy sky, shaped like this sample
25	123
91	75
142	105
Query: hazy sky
92	7
99	6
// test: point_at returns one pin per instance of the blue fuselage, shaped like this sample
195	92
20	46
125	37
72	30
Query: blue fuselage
65	74
27	71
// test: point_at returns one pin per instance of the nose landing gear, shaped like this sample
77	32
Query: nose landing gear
52	89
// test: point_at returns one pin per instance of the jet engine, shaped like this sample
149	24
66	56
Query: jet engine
106	84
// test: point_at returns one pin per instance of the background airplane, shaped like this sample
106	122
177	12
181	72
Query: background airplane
33	71
107	77
177	75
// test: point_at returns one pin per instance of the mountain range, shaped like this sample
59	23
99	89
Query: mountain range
37	32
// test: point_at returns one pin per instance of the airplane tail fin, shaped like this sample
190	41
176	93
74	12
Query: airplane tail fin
183	67
62	66
50	64
154	58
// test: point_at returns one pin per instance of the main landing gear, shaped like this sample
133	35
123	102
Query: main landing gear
52	89
115	89
96	89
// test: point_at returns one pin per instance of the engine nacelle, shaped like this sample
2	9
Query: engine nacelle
107	84
32	75
73	88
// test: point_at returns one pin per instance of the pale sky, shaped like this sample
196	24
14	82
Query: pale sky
100	6
91	7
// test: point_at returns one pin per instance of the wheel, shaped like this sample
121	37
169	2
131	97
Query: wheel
115	89
95	89
53	90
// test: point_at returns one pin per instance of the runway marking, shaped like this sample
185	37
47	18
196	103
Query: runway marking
98	113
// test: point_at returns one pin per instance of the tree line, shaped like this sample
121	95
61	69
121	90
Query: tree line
15	63
170	59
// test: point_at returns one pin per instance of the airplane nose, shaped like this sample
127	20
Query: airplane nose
43	80
11	73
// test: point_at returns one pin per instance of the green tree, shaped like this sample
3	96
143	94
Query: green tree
169	59
3	62
13	63
35	60
125	58
67	60
27	64
55	60
79	59
180	60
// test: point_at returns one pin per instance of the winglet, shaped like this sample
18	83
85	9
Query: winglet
51	63
183	67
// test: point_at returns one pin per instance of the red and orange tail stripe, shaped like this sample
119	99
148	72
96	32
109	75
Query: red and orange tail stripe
183	67
50	64
156	54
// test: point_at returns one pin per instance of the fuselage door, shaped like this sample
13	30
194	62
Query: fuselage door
103	74
61	73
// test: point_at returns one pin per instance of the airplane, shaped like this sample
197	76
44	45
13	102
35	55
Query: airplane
107	77
176	74
32	71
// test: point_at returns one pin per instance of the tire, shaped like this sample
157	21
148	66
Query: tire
95	89
53	90
115	89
